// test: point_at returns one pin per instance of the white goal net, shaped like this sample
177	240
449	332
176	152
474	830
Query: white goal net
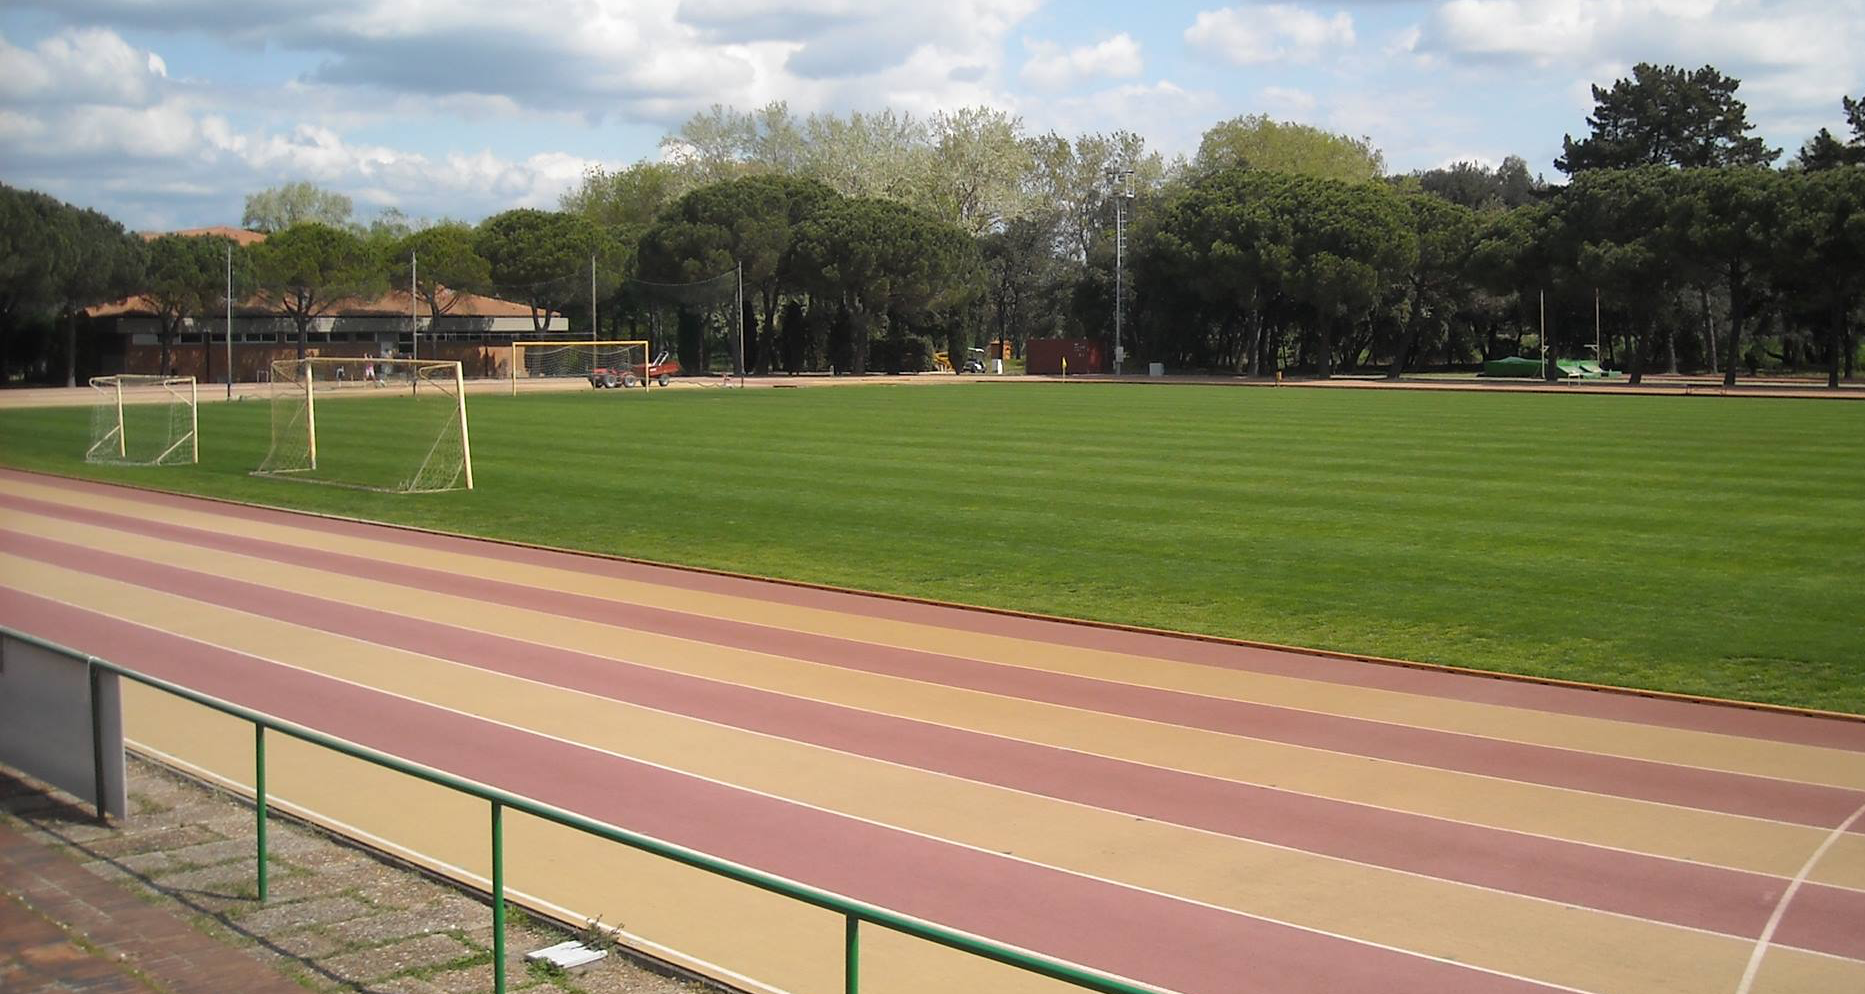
143	420
603	364
395	425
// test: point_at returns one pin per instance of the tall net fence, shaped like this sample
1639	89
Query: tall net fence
690	319
392	425
603	364
143	420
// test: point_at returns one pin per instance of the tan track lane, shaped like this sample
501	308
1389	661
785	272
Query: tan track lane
1808	764
1657	829
1451	921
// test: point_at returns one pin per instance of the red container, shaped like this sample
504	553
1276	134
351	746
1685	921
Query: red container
1043	356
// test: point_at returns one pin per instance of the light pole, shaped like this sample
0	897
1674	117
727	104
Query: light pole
1122	182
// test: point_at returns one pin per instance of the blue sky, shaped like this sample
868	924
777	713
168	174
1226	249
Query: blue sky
165	113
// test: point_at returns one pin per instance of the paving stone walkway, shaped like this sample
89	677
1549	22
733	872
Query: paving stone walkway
165	902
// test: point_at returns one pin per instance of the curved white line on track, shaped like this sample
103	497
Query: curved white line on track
491	572
1002	695
1123	885
1780	909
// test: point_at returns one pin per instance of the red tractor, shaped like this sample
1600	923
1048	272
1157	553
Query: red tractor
660	371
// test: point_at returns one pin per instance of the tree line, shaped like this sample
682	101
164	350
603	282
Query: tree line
867	240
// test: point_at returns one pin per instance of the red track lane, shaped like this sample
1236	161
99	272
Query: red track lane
1718	899
1710	790
1751	723
1161	940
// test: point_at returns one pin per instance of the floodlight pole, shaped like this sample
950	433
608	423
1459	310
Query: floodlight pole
229	319
1121	196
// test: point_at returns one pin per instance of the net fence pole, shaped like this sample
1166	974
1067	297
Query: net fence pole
229	320
594	325
122	443
738	311
194	419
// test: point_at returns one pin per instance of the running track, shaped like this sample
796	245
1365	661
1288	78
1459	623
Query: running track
1197	816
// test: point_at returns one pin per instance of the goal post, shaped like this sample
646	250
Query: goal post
392	425
140	420
608	363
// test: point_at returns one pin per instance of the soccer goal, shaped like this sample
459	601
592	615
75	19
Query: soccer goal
144	420
603	364
394	425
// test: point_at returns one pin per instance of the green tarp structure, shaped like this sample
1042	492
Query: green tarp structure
1518	367
1514	366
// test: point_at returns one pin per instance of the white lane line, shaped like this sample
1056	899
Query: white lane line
1241	698
674	669
1780	909
1119	884
1524	833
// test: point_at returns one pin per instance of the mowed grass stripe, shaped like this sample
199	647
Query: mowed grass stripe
1699	545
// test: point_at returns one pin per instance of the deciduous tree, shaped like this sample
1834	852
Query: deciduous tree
280	207
1257	142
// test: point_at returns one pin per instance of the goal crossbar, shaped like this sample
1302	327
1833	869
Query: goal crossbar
591	355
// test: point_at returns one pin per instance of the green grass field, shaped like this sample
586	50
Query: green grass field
1700	545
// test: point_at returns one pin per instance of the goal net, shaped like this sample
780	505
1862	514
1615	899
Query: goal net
143	421
394	425
603	364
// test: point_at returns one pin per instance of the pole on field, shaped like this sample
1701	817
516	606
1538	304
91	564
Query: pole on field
593	335
194	418
122	443
1598	356
1122	194
738	310
1544	334
229	319
414	307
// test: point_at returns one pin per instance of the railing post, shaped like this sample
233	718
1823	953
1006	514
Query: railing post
97	736
259	801
498	898
851	955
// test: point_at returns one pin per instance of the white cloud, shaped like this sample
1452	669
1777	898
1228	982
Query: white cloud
1277	32
1794	59
1287	103
1170	116
1052	68
89	65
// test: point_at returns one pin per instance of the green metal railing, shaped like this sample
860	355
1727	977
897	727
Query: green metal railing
853	912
